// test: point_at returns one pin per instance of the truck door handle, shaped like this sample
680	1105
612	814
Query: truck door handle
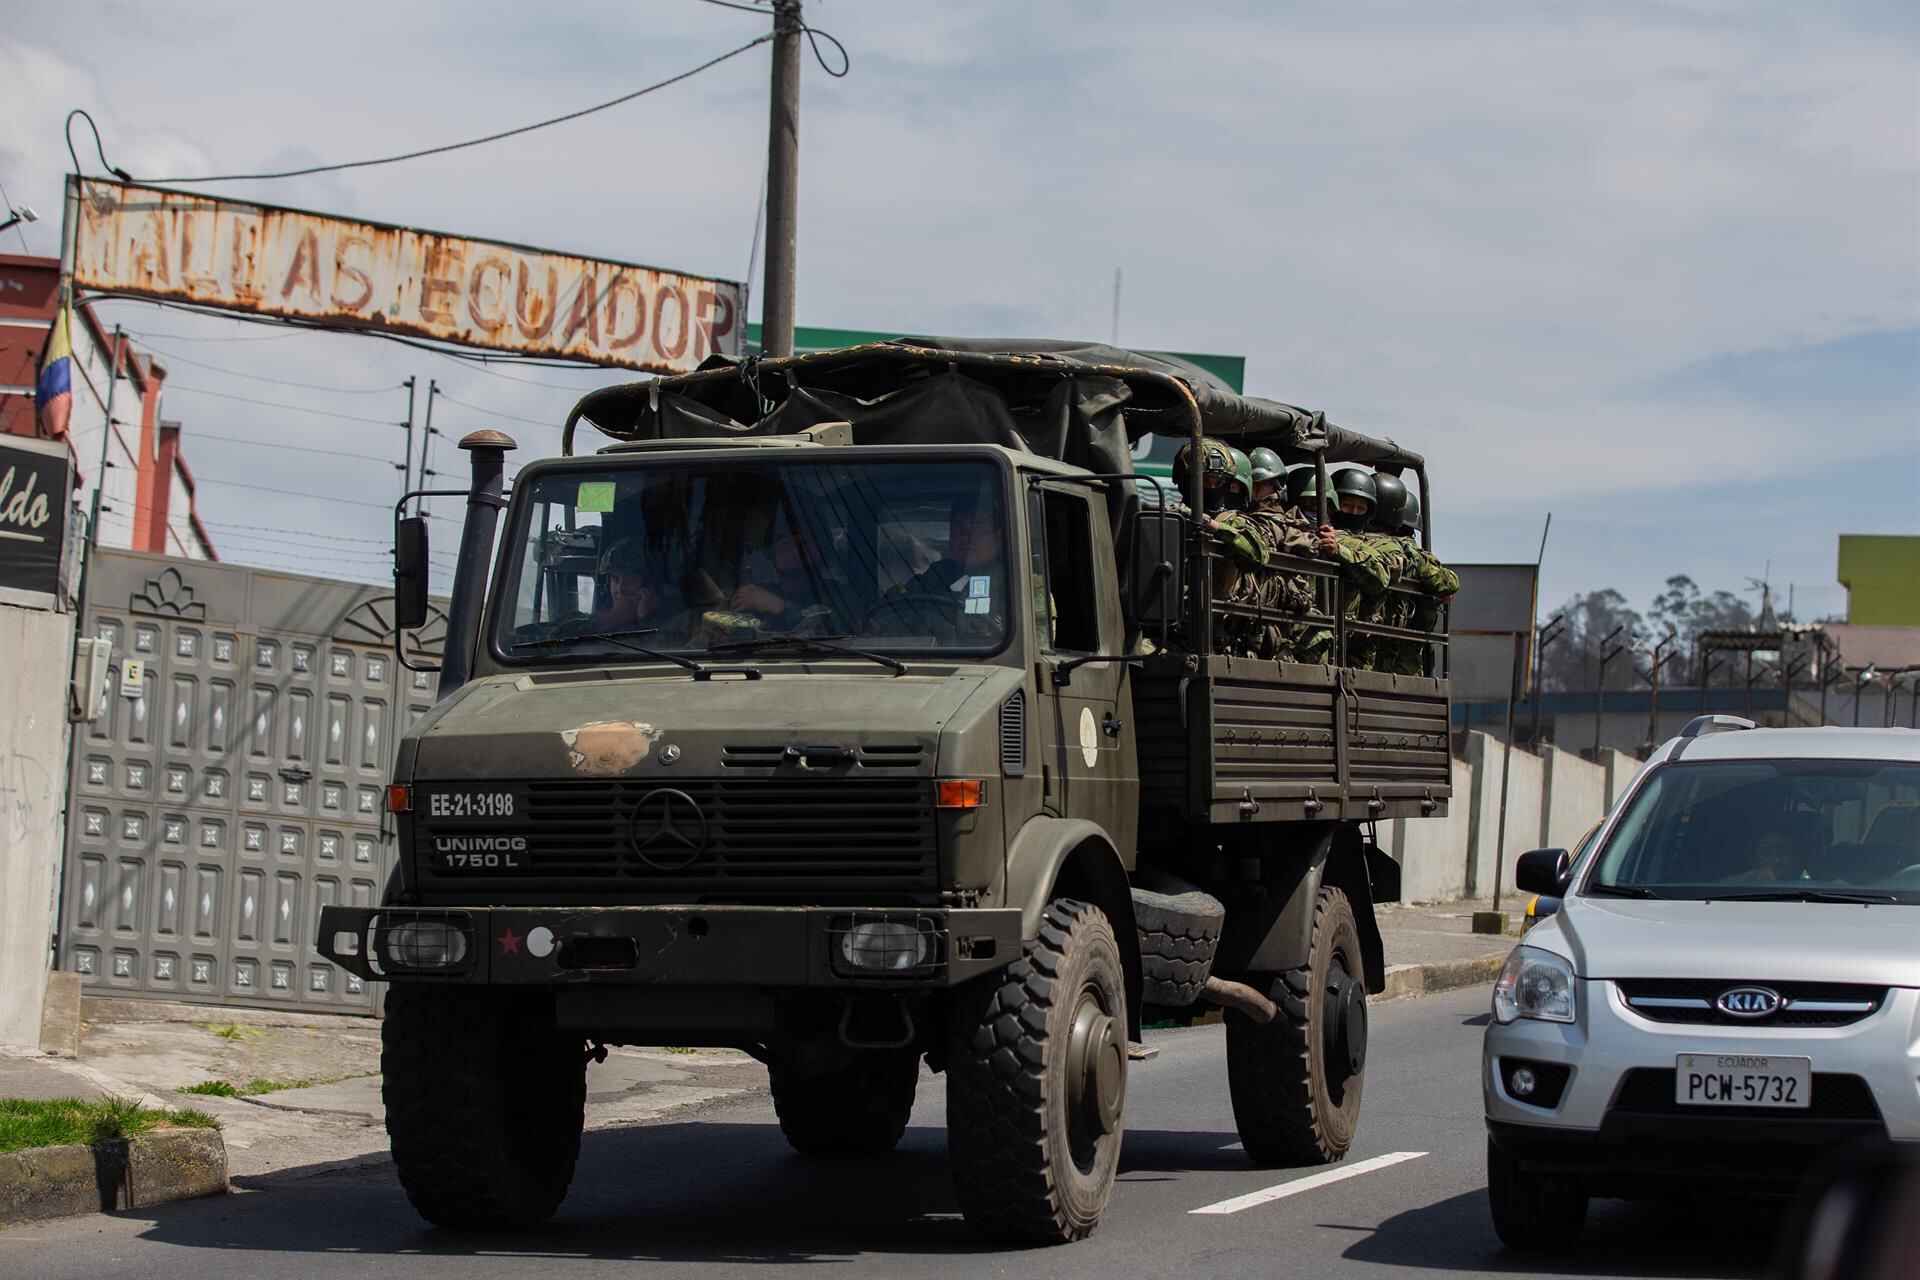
1112	725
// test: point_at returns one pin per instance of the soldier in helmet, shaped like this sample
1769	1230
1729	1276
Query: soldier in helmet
1282	529
1370	563
1436	585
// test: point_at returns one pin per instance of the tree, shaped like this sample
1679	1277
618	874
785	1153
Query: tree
1573	661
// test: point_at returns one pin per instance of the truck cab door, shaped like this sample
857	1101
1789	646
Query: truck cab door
1085	724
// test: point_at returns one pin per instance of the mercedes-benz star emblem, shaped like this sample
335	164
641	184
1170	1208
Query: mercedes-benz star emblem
669	831
1749	1002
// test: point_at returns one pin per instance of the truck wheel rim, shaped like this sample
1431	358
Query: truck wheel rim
1096	1075
1344	1024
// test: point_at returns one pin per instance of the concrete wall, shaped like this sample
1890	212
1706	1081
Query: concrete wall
35	660
1575	797
1553	799
1432	852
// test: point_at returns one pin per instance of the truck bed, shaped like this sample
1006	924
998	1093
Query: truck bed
1230	740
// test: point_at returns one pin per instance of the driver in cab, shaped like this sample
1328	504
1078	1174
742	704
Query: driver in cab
963	594
631	595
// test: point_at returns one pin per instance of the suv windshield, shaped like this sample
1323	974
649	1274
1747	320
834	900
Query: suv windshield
1845	830
897	555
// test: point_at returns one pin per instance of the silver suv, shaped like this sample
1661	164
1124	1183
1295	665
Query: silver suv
1731	987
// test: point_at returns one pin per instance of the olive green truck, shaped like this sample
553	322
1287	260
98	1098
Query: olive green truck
862	709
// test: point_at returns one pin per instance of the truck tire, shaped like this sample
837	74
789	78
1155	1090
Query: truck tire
1296	1081
859	1110
485	1103
1036	1083
1179	934
1530	1212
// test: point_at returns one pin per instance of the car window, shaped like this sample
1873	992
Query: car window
1713	829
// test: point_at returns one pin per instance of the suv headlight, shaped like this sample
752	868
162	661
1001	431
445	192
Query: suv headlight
1534	984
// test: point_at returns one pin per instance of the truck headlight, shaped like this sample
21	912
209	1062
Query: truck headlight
885	945
1534	984
426	944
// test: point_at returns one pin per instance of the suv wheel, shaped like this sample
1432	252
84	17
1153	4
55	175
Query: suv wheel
1529	1211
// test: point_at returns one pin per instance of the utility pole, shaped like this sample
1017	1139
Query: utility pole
405	465
783	183
106	437
426	442
1556	626
1653	694
1116	306
1608	652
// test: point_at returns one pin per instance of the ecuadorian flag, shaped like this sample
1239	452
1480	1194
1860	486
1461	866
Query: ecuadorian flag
53	395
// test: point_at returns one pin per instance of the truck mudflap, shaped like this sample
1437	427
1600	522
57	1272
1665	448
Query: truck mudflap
757	946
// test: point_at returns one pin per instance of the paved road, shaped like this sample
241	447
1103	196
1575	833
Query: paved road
720	1193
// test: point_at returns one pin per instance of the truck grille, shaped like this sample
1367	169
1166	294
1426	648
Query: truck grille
717	837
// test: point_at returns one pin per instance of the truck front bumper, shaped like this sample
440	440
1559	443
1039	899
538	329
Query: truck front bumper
732	946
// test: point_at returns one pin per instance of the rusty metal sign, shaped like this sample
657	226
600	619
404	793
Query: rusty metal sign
237	256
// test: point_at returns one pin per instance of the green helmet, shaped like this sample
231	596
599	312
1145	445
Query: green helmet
1352	482
1303	486
1266	465
1242	474
1219	460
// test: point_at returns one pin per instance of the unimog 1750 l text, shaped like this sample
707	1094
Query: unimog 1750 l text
854	709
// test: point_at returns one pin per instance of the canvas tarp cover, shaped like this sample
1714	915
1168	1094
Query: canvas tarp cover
1082	403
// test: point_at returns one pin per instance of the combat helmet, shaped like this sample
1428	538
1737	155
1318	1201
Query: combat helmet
1221	460
1389	500
1266	465
1410	513
624	555
1303	486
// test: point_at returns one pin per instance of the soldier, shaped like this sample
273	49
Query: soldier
1269	480
1285	530
1436	584
1370	562
963	595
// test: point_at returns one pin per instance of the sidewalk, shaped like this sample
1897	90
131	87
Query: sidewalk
311	1083
1432	947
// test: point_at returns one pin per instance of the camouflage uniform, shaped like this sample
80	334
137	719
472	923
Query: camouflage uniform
1434	581
1282	532
1374	562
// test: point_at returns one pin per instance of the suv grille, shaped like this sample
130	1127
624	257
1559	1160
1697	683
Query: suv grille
763	836
1835	1097
1804	1004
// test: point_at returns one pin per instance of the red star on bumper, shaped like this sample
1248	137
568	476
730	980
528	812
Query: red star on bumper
510	943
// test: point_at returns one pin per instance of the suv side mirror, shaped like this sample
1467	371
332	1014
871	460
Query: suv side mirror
1542	871
1156	569
409	573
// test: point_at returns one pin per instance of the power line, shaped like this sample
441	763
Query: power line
473	142
296	448
291	493
6	207
276	404
279	382
182	337
495	413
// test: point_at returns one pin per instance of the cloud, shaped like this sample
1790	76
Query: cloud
1593	257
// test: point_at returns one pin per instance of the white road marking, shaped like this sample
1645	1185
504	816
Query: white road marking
1282	1190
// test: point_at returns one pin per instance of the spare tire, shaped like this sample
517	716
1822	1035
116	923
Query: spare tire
1179	933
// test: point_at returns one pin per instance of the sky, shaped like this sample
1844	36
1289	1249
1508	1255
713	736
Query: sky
1652	268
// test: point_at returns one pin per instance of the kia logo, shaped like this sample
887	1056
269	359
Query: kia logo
1749	1002
669	831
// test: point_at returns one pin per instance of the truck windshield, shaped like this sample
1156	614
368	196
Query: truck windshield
906	556
1814	830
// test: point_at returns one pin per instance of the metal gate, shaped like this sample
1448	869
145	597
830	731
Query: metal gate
235	785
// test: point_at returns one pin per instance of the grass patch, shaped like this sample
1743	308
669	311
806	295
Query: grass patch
212	1089
71	1121
258	1085
231	1030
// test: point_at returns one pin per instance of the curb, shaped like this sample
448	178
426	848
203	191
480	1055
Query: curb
154	1168
1446	975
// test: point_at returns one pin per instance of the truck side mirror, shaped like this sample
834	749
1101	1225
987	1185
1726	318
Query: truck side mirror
1542	871
409	573
1156	569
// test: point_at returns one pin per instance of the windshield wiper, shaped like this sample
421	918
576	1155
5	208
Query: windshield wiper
1622	891
823	643
621	639
1805	895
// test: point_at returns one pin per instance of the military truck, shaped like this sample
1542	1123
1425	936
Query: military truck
854	710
